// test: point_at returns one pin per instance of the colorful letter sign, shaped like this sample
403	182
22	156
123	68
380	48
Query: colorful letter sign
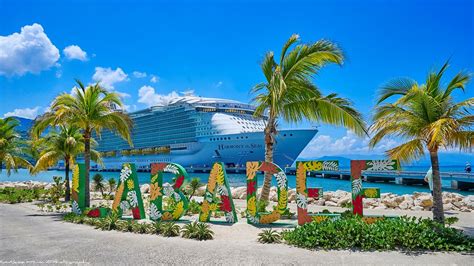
78	188
303	193
358	193
128	195
218	184
253	216
157	191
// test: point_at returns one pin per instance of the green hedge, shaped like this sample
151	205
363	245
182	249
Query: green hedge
18	195
387	234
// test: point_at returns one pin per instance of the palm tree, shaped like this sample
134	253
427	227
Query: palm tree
91	109
11	147
65	145
99	183
112	183
290	93
426	117
192	186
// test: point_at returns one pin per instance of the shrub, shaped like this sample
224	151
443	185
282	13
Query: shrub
18	195
384	234
125	226
268	236
194	207
155	228
108	223
170	229
139	228
196	230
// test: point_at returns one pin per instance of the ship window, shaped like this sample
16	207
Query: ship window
284	135
246	137
291	135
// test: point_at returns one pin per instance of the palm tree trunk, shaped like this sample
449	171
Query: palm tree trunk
87	162
67	197
438	213
267	181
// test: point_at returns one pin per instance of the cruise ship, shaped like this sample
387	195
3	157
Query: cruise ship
196	132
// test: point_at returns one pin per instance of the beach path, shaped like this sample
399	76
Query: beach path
27	235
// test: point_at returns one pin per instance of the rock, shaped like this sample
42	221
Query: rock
390	202
469	201
238	192
417	208
381	207
344	200
145	188
425	201
320	202
404	205
448	206
330	204
328	195
48	186
21	186
273	196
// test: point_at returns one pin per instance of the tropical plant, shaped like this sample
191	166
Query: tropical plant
140	228
98	180
156	228
110	222
125	226
92	109
269	236
112	184
290	93
405	233
425	116
194	207
12	149
196	230
64	143
192	186
170	229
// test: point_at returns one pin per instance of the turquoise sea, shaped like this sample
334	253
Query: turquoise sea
240	179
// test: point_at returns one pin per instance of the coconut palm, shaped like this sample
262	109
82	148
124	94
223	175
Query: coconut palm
426	117
65	144
11	147
112	184
289	93
92	109
99	183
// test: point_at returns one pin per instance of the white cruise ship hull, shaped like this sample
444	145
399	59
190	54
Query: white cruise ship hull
231	149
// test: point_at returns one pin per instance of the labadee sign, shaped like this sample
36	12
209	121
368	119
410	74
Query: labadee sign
218	196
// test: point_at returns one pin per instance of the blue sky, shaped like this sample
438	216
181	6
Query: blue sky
215	48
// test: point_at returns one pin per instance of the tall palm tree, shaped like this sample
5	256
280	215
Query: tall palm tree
11	147
427	117
290	93
91	109
65	144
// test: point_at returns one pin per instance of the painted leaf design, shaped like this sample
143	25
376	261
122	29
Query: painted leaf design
222	191
301	179
313	165
155	214
281	179
132	198
301	201
155	191
283	199
252	206
330	165
125	173
212	180
229	217
381	165
251	186
75	178
179	182
130	184
118	196
356	186
171	168
168	190
220	176
178	210
75	208
252	168
124	205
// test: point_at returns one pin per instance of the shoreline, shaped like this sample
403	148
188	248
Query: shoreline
417	201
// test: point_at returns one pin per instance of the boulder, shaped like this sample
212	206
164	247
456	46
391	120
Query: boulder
425	201
145	188
320	202
273	196
469	201
344	200
448	206
330	204
390	202
417	208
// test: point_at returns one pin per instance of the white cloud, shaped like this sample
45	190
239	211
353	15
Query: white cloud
154	79
324	145
148	96
59	73
139	74
218	84
108	77
30	113
75	52
27	51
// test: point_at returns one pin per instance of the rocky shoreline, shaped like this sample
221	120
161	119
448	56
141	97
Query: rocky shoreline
418	201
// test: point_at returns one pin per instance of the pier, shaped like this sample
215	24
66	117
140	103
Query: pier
459	181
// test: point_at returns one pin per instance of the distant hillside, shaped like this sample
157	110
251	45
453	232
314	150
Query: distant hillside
25	124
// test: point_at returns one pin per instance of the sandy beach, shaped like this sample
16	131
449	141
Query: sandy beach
28	235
